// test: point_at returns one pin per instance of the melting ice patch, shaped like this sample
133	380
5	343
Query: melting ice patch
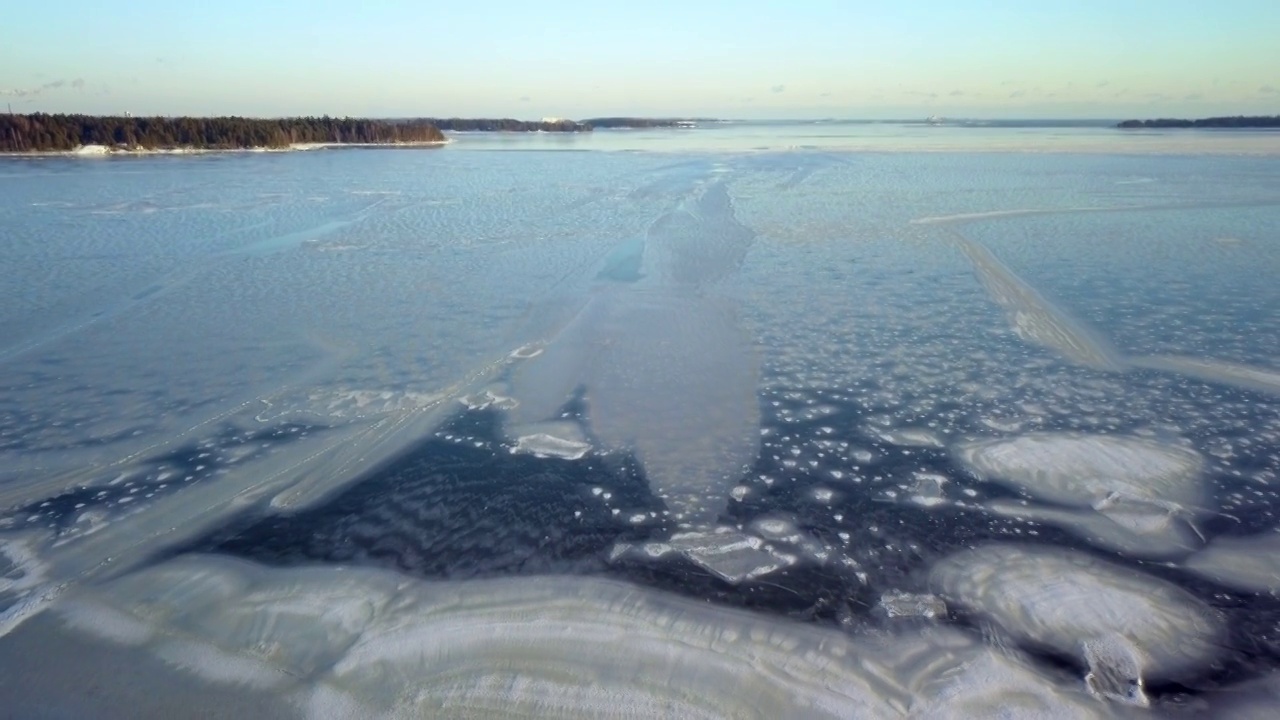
1126	627
666	372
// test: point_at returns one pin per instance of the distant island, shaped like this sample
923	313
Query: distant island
505	125
634	122
66	133
1239	121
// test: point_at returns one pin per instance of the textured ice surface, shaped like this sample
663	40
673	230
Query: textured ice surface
730	556
551	439
191	357
297	359
897	604
1091	470
1134	495
24	586
1037	320
1246	376
1145	531
1253	700
360	643
1249	563
1126	627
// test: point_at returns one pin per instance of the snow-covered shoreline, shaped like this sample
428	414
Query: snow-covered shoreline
97	151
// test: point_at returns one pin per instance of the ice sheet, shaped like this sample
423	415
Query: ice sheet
351	643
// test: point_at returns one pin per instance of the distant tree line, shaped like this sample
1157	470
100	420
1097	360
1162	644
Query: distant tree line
505	125
41	132
1239	121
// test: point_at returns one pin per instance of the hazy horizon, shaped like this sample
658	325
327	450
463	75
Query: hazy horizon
751	61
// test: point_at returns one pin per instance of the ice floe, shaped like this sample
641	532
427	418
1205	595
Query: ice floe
1148	532
1126	627
897	604
1090	470
766	545
733	557
1133	494
562	439
911	437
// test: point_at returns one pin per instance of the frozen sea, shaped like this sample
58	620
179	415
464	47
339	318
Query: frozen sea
813	419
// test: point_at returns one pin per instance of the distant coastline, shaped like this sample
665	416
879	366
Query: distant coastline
1239	121
42	134
88	134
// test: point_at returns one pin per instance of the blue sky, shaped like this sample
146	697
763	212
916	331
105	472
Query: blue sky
746	59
